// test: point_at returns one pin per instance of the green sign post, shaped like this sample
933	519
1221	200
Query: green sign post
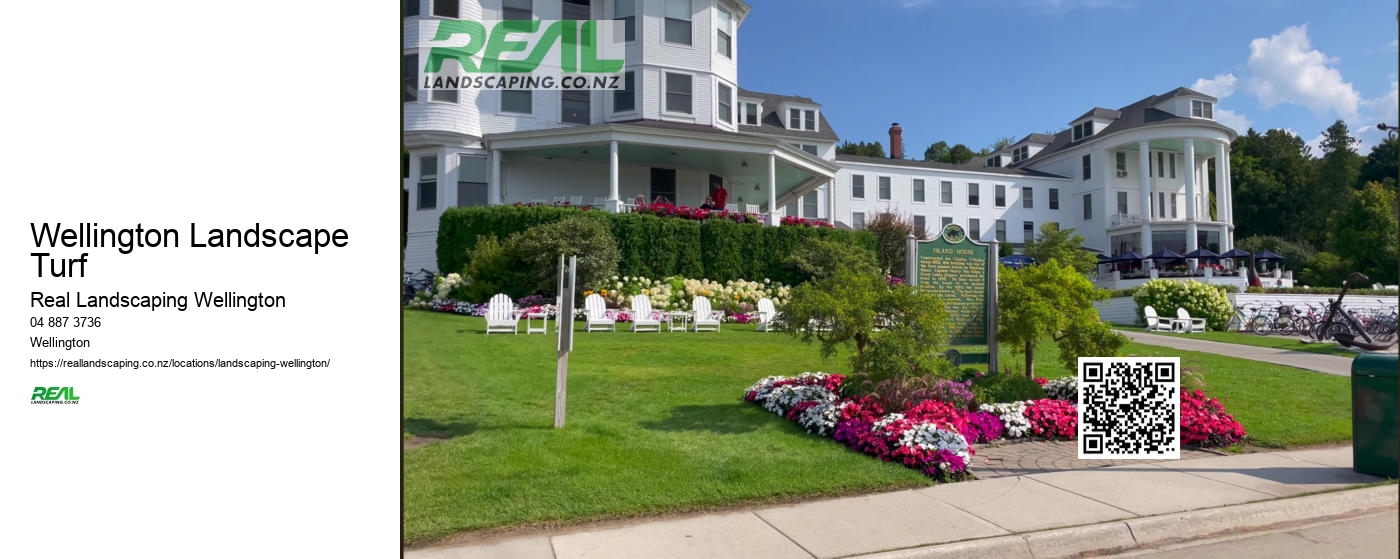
963	273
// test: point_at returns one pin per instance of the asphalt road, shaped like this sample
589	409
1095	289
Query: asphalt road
1373	536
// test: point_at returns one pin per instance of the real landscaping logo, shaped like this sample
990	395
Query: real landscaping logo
521	54
53	395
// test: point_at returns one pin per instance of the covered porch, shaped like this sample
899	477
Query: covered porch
614	166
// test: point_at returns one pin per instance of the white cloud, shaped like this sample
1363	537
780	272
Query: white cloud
1234	120
1219	87
1393	45
1316	145
1286	69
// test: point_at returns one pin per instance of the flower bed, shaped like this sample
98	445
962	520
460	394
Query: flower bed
935	436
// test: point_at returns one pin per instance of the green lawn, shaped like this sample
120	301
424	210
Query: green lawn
656	423
1291	343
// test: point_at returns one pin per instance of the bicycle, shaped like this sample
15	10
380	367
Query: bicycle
1244	322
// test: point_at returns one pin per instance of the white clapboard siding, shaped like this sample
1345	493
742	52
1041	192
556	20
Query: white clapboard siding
1118	310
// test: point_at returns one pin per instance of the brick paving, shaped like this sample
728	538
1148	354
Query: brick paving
1039	456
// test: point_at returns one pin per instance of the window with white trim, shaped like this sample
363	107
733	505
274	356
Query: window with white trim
726	104
1171	164
1173	205
858	187
994	161
678	22
919	226
974	194
1020	153
974	229
517	9
750	114
1083	130
884	188
1000	198
1089	206
1161	204
809	120
520	101
1086	166
945	192
1161	165
918	188
947	221
427	182
724	33
1120	162
626	12
576	106
1001	230
809	204
1054	198
679	93
1122	203
1027	197
625	99
447	8
410	78
1027	231
1202	109
858	220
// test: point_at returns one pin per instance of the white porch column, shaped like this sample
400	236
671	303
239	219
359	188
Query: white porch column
1222	175
773	218
831	202
493	188
1145	183
1229	194
799	204
614	203
1190	200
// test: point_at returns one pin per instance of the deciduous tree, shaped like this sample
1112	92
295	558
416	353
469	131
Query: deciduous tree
1064	245
1052	301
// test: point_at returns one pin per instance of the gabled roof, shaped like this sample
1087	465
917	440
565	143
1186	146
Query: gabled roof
773	124
969	167
1035	139
1139	114
1099	112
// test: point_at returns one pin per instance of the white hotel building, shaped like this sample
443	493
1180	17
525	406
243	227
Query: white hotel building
1153	174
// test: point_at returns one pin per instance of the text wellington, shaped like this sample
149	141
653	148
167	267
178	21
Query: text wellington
225	300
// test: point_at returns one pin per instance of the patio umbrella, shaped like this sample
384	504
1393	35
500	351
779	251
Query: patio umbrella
1130	256
1102	258
1267	255
1165	254
1235	253
1202	254
1017	261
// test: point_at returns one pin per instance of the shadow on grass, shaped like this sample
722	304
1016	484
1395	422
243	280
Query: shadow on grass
434	429
718	418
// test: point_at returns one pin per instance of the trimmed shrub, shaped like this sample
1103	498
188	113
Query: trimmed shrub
460	227
1006	387
539	248
1200	299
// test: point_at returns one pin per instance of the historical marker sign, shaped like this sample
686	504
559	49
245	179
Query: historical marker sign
962	273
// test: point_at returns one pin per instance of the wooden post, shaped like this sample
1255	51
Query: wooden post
565	328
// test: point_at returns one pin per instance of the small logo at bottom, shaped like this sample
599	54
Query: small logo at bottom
53	395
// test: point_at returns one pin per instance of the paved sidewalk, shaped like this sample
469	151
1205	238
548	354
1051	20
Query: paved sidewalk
1019	458
1330	364
1053	514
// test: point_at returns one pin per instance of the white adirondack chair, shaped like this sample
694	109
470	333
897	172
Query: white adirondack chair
766	315
600	201
597	310
731	207
1187	324
705	318
501	316
642	321
576	201
560	200
1155	324
750	208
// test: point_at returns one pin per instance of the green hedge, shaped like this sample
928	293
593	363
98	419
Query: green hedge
651	246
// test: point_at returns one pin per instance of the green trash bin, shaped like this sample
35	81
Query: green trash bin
1375	415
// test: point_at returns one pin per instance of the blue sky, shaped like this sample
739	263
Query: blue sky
973	71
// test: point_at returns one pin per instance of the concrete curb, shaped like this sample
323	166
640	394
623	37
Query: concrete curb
1165	529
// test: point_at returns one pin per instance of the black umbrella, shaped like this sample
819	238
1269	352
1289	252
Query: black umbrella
1235	253
1130	256
1267	255
1017	261
1202	254
1102	258
1165	254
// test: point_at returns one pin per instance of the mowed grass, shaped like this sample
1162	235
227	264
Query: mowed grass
1291	343
656	423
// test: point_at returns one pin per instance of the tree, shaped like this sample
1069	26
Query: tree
873	149
822	258
1270	175
1055	301
1063	245
1337	172
959	154
1297	255
936	152
1382	165
1365	233
891	232
996	146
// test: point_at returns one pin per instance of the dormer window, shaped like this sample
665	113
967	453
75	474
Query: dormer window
749	113
1202	109
1083	130
994	161
1019	154
802	119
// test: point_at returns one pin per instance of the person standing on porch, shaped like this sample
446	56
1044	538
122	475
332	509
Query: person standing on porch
720	195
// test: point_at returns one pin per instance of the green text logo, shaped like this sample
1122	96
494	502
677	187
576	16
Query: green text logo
521	54
53	395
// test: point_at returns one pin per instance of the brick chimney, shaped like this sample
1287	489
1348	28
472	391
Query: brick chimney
896	141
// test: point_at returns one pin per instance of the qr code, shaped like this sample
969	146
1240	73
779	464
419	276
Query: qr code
1129	408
